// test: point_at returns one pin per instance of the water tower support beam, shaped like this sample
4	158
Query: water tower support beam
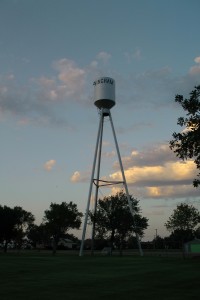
124	181
97	185
91	184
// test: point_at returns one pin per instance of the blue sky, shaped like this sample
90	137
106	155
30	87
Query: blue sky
50	53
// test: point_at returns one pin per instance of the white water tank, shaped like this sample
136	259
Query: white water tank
104	92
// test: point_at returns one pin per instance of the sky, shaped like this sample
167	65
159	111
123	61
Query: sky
51	51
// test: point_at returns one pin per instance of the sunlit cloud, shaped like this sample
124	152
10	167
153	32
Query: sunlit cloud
154	172
171	191
70	75
78	176
197	59
48	166
195	70
67	84
43	98
172	172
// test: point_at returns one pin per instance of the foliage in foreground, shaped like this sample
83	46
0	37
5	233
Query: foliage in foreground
186	144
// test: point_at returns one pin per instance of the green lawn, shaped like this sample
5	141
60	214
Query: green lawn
42	276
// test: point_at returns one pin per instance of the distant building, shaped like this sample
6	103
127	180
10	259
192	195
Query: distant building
192	248
63	243
66	243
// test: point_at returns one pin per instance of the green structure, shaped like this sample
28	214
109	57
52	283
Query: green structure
192	247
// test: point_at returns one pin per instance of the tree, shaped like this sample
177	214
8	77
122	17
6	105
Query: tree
114	221
158	242
24	220
38	234
60	218
187	143
183	221
13	224
197	233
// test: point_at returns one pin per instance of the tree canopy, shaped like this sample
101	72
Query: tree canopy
60	218
183	221
38	235
114	220
13	224
187	143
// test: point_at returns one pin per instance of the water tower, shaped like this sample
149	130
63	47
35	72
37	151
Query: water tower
104	100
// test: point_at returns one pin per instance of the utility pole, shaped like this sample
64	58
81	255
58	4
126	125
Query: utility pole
155	238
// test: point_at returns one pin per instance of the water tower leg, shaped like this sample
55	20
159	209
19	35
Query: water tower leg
124	181
97	183
91	184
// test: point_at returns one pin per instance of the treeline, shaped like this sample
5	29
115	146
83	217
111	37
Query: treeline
17	225
115	227
113	221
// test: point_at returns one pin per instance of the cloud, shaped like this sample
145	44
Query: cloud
155	88
150	156
48	166
67	85
134	127
109	154
70	75
171	191
80	177
99	66
169	173
42	100
197	59
103	56
76	177
195	70
156	173
152	173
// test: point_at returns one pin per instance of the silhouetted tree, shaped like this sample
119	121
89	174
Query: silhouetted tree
114	220
13	224
60	218
183	221
197	233
39	235
158	242
132	242
187	143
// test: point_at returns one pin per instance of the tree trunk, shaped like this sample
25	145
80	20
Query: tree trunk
121	240
183	248
5	248
121	248
54	246
112	240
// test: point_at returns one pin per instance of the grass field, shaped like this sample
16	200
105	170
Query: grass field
42	276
